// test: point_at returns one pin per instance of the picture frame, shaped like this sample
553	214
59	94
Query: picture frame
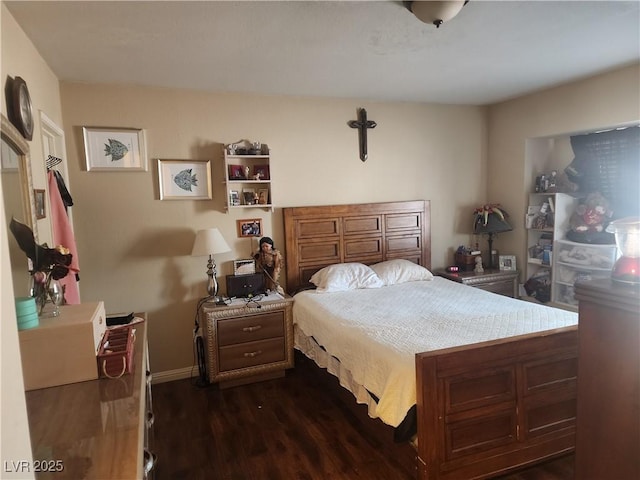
263	170
248	196
9	159
115	149
507	262
40	203
251	227
263	196
244	266
236	172
184	179
234	198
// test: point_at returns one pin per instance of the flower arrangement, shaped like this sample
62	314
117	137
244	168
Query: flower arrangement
47	264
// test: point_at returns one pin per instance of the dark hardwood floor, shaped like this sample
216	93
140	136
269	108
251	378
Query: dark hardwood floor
289	428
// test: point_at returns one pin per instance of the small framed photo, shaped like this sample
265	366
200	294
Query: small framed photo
244	266
234	198
263	196
114	149
250	228
40	203
262	171
507	262
184	179
249	196
236	172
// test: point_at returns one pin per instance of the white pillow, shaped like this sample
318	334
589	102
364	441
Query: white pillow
345	276
399	270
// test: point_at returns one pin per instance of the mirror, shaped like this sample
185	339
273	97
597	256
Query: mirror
17	190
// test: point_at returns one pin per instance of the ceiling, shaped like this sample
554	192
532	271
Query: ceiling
375	50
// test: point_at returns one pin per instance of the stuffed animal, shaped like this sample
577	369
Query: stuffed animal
591	215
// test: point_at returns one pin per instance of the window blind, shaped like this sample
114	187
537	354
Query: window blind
609	162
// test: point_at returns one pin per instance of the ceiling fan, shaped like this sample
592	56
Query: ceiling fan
436	12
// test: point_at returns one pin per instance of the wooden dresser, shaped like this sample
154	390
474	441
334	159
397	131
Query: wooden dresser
608	422
247	341
95	429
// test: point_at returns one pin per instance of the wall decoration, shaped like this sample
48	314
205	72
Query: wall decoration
250	228
38	195
184	179
507	262
113	149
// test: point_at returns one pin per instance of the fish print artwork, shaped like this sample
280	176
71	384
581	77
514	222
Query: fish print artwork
116	149
185	179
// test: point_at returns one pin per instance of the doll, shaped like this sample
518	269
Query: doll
269	262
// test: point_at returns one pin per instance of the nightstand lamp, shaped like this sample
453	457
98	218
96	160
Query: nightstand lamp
490	220
210	242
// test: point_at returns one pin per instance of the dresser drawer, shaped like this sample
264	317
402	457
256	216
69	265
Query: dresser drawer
252	353
250	328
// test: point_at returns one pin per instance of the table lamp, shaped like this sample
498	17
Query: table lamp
490	220
210	242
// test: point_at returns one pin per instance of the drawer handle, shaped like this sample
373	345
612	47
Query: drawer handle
149	462
252	329
253	354
150	419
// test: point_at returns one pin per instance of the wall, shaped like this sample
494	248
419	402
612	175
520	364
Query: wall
19	58
607	100
134	249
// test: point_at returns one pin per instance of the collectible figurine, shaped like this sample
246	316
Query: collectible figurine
269	262
478	268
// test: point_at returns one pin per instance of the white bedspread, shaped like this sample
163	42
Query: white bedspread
375	333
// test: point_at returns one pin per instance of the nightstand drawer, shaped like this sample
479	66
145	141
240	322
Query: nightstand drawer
501	287
250	328
251	354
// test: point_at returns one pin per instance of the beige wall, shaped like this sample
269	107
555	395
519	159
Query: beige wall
18	58
134	248
608	100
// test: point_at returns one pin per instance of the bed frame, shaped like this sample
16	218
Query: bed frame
483	409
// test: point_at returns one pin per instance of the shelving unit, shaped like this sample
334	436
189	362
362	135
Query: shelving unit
565	262
248	180
541	238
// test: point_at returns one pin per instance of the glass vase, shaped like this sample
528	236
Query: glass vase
49	295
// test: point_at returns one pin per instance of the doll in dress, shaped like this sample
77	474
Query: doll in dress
269	262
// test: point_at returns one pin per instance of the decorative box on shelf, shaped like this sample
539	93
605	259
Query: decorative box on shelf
466	262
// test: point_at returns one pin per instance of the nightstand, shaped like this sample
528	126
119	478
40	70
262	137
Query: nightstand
247	342
504	282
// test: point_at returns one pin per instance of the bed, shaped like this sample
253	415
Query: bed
497	400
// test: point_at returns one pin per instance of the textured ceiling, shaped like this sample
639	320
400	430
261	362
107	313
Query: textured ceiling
378	50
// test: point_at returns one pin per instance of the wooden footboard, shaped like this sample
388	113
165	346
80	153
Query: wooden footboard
493	407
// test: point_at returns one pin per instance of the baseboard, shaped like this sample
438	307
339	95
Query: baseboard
171	375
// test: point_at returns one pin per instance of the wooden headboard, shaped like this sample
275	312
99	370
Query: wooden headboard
367	232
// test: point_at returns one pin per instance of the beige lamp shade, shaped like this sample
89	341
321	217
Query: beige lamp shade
209	242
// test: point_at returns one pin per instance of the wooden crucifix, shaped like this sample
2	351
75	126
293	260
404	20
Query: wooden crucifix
362	124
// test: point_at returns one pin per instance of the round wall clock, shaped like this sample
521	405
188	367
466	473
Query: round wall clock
22	108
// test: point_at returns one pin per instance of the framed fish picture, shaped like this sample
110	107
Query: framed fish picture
184	179
113	149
